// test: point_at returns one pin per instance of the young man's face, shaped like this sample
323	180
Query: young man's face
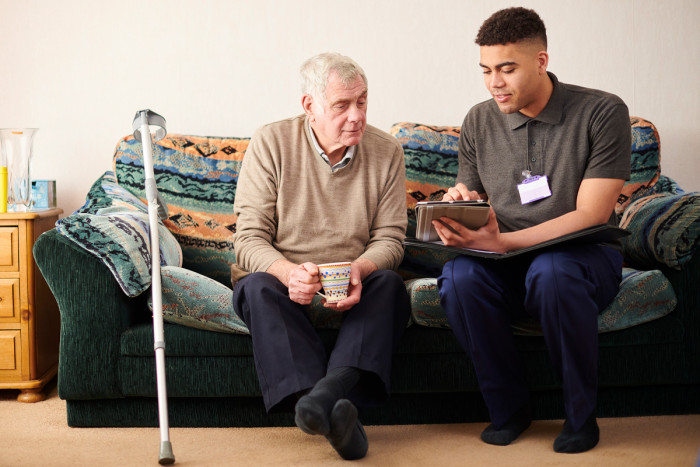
513	74
339	120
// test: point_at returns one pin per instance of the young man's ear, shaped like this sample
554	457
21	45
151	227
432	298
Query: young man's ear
543	59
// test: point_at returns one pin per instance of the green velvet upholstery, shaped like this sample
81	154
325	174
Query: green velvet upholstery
106	364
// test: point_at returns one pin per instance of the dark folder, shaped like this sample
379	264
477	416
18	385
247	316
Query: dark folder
603	233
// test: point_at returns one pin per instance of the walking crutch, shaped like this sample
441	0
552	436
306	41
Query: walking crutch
143	120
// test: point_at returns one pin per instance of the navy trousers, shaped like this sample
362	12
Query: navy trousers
290	356
564	288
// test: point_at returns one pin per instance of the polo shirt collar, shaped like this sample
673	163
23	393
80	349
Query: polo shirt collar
552	112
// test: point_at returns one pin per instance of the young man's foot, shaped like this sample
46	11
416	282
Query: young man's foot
347	435
586	438
510	430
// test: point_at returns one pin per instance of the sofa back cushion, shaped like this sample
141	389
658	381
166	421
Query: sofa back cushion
646	163
196	177
432	163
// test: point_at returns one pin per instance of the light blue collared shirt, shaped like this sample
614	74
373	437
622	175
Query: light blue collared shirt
343	162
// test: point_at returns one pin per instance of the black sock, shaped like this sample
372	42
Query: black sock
586	438
347	435
313	410
510	430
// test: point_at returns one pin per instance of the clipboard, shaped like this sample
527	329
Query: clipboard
602	233
471	214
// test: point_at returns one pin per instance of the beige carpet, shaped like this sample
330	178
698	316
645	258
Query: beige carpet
37	435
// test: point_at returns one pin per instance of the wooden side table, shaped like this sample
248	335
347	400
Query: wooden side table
29	318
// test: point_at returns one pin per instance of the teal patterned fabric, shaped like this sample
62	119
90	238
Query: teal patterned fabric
644	296
665	230
194	300
106	193
196	177
113	226
430	153
645	163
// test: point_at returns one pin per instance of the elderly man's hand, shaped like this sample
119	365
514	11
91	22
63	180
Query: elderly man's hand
303	282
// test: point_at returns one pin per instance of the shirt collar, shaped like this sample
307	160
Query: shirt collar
551	113
349	152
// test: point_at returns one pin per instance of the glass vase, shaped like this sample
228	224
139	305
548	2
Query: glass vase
16	147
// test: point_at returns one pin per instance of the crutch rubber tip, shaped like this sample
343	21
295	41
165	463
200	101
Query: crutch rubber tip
166	453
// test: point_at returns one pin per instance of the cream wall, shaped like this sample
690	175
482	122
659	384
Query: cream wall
80	69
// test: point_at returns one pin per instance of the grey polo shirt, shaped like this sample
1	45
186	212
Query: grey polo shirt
581	133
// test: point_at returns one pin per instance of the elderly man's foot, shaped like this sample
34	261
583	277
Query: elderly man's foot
347	435
510	430
313	411
311	415
586	438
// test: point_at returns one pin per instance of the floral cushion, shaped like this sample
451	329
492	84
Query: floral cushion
113	225
644	296
665	230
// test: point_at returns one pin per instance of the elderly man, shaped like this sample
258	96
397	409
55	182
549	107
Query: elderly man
322	187
551	158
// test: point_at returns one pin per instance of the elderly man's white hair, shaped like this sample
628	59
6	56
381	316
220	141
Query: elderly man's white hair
315	72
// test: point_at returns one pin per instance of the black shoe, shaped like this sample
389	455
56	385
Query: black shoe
347	435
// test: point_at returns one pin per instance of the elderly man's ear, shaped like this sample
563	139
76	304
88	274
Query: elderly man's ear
307	102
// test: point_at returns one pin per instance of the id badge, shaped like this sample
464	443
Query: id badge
534	188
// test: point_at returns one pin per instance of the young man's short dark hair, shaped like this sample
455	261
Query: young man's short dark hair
511	25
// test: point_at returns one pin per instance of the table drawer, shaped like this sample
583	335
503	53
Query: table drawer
9	301
9	248
10	355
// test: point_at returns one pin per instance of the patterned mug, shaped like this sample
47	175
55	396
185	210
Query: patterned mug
335	279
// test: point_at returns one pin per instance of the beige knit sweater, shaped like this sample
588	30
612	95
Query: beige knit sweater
291	205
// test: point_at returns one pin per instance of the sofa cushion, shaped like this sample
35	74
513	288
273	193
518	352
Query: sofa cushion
665	230
645	164
106	193
644	296
430	153
196	177
113	225
432	163
194	300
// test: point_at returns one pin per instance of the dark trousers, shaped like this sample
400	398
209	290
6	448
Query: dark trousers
290	356
564	289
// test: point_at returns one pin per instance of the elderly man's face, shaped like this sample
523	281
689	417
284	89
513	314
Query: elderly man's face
339	121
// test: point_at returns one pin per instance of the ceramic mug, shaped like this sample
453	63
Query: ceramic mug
335	279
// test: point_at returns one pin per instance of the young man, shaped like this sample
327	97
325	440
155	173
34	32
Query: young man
551	158
318	188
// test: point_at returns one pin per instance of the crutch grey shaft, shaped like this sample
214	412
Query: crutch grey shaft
142	131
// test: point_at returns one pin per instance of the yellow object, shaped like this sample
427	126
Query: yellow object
3	189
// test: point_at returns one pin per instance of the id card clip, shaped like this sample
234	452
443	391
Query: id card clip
533	188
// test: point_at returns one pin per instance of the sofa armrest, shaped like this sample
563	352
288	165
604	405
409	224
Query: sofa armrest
94	313
665	230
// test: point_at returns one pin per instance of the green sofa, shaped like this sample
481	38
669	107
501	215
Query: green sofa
96	264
